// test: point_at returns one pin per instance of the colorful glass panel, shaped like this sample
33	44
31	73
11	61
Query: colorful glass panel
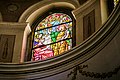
48	51
52	36
53	19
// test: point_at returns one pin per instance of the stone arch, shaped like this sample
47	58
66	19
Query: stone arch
37	9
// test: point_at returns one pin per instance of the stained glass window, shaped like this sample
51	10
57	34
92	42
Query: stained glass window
52	36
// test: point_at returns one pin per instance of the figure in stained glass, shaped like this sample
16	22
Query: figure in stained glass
52	36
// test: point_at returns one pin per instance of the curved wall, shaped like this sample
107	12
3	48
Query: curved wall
95	58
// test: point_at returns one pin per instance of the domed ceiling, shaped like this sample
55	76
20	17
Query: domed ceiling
12	9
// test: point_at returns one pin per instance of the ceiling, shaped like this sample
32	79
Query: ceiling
12	9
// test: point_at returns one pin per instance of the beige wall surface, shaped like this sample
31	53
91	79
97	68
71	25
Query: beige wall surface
16	29
82	11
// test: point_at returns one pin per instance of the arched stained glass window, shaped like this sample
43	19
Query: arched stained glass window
52	36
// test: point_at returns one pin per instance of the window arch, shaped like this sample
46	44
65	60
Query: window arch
53	35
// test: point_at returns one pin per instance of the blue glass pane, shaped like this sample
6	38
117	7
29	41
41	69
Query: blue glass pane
52	36
53	19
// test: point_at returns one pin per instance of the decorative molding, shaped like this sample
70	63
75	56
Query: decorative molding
7	47
39	8
88	24
75	70
104	75
12	7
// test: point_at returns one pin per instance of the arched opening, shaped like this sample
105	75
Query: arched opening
53	33
34	14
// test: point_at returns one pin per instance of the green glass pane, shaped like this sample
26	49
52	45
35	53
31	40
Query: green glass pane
53	19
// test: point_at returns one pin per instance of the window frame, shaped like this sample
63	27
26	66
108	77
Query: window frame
64	10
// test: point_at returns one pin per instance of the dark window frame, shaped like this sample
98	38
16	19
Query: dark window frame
64	10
